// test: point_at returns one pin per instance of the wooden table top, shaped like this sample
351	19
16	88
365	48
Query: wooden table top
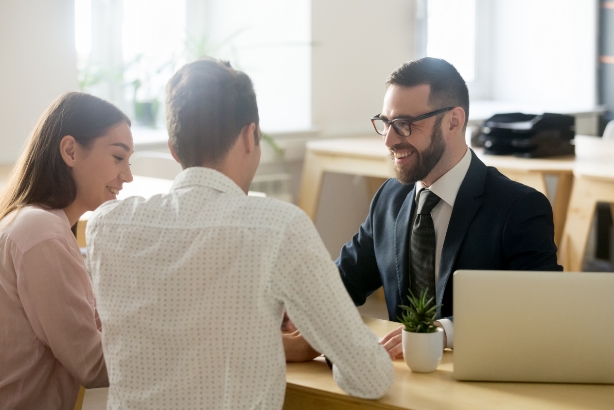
365	147
374	148
439	390
595	170
545	165
436	390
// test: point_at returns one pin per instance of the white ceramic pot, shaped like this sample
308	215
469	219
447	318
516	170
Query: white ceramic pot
423	351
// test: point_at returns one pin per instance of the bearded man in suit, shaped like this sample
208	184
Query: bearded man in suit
445	210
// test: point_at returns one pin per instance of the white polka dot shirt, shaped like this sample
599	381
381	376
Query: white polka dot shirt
191	288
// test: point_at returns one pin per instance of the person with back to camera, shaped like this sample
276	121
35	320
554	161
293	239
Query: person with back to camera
75	159
194	320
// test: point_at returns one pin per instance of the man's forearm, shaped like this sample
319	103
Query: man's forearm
297	349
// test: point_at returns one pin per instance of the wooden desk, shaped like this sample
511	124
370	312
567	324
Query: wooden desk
369	157
594	182
311	386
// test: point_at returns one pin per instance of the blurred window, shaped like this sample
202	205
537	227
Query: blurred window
451	34
457	31
128	49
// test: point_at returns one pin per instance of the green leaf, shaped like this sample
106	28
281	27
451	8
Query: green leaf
418	316
279	152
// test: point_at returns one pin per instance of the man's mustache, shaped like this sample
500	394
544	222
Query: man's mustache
400	147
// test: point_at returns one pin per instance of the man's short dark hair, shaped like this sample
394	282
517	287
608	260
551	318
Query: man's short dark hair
448	89
208	103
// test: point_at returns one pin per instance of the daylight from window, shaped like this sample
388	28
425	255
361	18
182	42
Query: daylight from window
152	44
128	49
83	27
451	34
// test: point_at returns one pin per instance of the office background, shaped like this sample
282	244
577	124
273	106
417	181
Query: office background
318	66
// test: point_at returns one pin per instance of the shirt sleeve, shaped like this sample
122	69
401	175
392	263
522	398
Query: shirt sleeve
58	300
307	282
448	327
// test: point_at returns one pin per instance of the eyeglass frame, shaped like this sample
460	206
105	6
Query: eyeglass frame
409	119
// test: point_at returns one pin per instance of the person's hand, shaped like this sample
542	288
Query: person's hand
286	325
445	337
296	348
393	343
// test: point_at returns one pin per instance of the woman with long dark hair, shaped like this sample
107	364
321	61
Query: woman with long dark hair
50	340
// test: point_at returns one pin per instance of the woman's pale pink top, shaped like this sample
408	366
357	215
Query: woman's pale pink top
50	340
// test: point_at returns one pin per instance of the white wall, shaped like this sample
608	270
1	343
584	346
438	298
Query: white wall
358	43
272	45
37	50
545	52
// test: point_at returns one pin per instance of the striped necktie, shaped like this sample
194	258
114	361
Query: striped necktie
422	246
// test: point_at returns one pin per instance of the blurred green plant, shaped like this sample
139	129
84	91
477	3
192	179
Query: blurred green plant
90	74
144	78
279	152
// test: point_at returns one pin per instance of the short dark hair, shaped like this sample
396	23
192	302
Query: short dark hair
41	176
208	103
448	89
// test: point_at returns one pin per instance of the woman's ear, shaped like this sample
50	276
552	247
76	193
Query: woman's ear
68	148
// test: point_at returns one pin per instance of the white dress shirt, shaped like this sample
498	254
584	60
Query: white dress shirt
191	289
445	188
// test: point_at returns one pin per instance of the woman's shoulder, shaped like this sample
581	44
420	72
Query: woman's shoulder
32	225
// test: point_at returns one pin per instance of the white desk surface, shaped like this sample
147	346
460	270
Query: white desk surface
140	186
147	187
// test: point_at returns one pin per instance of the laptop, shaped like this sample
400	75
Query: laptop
553	327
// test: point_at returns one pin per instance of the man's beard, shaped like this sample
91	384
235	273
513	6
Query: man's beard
426	160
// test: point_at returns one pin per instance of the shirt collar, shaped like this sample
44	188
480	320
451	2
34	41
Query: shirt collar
448	185
207	177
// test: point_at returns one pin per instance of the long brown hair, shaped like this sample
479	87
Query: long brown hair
41	176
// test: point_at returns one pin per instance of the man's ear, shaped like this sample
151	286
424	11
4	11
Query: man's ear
247	137
456	119
68	148
175	157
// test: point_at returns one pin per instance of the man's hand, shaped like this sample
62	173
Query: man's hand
296	348
286	325
445	338
393	342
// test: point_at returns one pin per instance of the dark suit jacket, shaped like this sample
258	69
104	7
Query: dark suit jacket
496	224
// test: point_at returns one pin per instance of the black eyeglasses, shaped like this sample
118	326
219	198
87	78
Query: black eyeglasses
402	126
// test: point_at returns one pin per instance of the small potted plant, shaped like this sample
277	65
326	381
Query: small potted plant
422	340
